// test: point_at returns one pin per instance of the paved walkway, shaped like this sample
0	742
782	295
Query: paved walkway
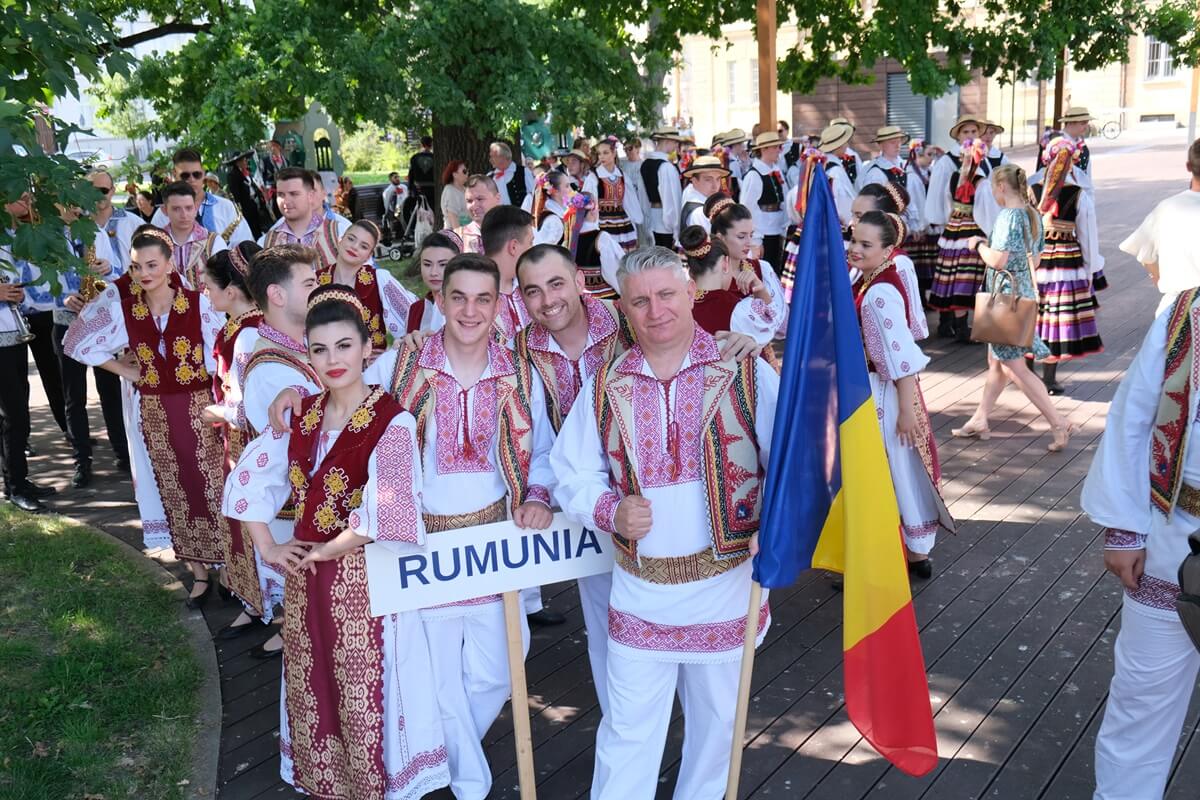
1017	624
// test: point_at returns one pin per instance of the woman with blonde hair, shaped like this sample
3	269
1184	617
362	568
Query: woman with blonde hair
1015	246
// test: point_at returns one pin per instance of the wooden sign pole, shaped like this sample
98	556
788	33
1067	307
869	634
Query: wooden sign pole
743	697
522	735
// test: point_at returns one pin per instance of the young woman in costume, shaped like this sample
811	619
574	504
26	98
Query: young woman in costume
387	302
359	717
170	332
894	364
436	250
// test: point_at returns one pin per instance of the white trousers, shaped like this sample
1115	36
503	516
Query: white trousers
594	593
1153	679
633	732
470	668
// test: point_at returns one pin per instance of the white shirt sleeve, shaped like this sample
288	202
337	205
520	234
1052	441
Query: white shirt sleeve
937	204
257	486
97	336
611	254
843	195
1088	234
580	464
211	322
889	342
264	384
670	190
916	206
391	507
764	410
751	192
919	325
551	231
779	306
985	209
396	301
541	475
1116	491
633	207
754	318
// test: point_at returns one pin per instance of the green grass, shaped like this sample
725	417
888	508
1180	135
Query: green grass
97	681
367	178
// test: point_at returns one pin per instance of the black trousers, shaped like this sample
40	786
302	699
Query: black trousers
108	386
772	252
664	240
42	347
14	413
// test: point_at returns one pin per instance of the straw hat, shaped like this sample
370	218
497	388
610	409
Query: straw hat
994	125
732	137
578	154
890	132
671	134
705	164
767	139
1076	114
834	136
843	121
966	119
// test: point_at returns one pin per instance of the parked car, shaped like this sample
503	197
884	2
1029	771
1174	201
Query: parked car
92	158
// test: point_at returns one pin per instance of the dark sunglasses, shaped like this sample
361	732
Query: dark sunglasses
103	189
197	175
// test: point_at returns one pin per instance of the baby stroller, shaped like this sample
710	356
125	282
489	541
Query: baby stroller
405	227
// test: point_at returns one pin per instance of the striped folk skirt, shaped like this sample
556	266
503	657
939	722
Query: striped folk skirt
959	271
620	227
1066	301
922	248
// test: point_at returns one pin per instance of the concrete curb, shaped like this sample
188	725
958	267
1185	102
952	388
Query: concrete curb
206	750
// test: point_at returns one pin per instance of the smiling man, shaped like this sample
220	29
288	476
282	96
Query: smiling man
215	213
302	218
681	500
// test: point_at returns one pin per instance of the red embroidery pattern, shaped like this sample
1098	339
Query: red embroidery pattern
395	298
397	781
1155	593
605	512
452	456
707	637
394	477
82	329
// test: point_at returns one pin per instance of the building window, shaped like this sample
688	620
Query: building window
1159	63
754	80
731	69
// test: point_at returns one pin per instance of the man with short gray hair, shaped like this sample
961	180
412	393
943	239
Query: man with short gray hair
513	180
659	452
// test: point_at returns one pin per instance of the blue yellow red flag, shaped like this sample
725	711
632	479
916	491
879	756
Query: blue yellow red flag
829	502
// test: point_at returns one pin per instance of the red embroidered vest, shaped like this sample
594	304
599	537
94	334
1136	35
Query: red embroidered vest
729	443
182	369
713	309
223	349
412	387
324	241
416	312
366	287
325	498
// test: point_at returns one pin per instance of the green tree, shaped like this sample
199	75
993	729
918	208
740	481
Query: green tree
366	150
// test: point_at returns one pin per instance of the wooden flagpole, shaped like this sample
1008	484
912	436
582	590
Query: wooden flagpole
522	735
743	698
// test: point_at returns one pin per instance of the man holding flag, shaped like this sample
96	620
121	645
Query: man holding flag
665	449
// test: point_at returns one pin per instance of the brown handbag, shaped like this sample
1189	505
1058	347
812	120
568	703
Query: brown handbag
1002	317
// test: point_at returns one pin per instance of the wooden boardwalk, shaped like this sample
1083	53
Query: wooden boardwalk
1017	624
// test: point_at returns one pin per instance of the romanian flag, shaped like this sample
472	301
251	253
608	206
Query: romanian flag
829	501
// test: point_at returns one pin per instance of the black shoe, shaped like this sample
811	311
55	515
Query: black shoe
83	475
223	592
198	601
26	503
123	465
31	489
232	631
263	654
29	451
1050	379
545	617
962	331
945	327
921	569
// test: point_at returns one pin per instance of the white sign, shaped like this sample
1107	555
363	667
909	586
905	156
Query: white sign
483	560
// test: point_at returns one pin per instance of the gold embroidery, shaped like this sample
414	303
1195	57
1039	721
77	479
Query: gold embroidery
140	310
325	278
144	353
365	277
238	547
311	419
184	373
197	533
356	498
151	377
181	347
335	482
181	304
362	416
326	517
677	569
437	523
296	476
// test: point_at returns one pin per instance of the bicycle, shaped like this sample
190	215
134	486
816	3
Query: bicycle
1109	130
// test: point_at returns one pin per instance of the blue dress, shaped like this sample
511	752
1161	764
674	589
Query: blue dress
1011	233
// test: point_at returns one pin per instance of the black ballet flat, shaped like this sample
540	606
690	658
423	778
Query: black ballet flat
262	654
196	602
922	570
1055	389
232	631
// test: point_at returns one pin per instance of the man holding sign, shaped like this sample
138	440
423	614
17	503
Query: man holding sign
665	449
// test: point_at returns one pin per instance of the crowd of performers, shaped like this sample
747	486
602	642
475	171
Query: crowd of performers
273	432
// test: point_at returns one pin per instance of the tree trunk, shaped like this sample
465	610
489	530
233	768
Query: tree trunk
1060	86
456	143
